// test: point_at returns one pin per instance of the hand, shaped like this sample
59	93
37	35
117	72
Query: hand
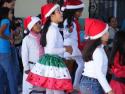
27	71
111	92
68	49
11	40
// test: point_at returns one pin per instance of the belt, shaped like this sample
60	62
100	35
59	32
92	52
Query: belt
31	62
89	78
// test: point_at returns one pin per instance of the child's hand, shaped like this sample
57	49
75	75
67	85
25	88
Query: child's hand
11	40
27	71
111	92
68	49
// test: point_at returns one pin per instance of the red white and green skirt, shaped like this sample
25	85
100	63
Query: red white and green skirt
51	72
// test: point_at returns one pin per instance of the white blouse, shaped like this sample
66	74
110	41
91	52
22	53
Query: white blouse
29	52
54	41
97	68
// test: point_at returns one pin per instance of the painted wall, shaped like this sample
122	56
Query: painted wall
24	8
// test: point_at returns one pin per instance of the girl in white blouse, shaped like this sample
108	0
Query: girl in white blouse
96	62
51	72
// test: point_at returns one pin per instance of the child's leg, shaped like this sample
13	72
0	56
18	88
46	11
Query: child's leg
49	91
26	86
58	92
79	70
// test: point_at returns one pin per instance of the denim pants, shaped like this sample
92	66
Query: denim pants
6	64
15	65
90	86
2	79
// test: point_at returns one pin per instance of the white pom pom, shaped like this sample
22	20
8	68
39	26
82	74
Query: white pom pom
63	8
25	31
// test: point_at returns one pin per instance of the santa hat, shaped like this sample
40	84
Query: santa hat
72	4
47	10
94	28
29	22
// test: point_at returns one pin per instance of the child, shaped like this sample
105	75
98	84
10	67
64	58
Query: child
6	42
117	59
50	72
31	49
71	36
96	62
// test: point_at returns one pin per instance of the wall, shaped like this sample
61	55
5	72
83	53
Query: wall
24	8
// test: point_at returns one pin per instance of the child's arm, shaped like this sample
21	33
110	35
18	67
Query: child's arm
98	58
25	56
4	26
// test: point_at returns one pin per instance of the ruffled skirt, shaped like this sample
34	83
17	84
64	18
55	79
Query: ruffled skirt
51	72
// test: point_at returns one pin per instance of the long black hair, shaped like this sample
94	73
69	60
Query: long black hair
4	11
69	14
89	48
118	46
44	31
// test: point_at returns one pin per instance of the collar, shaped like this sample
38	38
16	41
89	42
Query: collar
55	24
102	45
35	35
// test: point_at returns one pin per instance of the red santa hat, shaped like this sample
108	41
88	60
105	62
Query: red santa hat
72	4
94	28
29	22
47	10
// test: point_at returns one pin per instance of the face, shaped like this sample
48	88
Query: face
37	27
57	17
78	13
105	37
10	5
113	22
10	15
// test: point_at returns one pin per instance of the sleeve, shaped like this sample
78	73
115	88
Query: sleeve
4	21
24	54
98	60
52	37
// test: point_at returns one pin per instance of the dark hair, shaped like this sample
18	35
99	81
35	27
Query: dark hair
3	1
4	11
69	14
44	31
110	18
89	48
118	46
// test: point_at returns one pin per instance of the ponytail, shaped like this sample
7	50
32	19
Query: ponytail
69	15
44	31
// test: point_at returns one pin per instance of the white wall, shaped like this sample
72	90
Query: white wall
24	8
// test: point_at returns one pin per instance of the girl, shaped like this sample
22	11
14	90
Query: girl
71	36
5	49
31	49
117	59
50	72
96	62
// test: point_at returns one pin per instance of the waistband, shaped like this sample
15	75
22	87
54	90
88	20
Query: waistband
89	78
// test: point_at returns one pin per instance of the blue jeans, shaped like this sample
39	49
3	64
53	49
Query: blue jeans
15	65
7	66
90	86
2	79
